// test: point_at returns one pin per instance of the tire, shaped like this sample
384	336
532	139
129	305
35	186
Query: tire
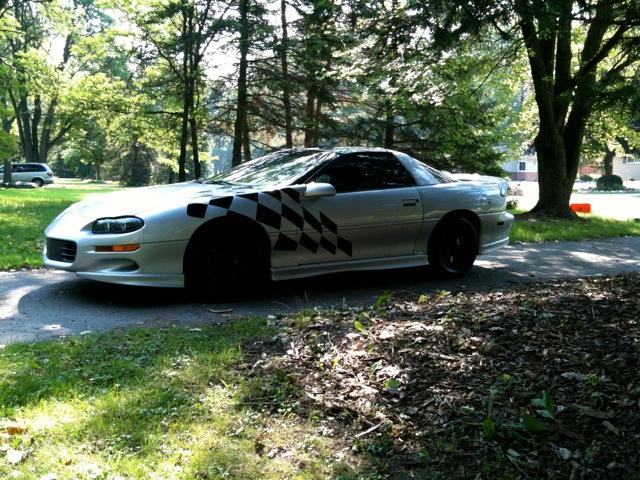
224	268
38	181
453	247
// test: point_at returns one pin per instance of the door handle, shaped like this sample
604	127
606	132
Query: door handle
410	202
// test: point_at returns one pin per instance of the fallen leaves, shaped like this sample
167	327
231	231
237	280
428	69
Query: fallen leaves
557	363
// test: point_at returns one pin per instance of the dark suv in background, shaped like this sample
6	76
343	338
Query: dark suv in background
38	173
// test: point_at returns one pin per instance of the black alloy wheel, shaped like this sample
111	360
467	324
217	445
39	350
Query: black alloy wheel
453	248
225	268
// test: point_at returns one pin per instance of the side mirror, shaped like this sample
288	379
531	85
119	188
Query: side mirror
315	190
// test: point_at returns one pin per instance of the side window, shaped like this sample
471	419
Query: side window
33	167
16	168
365	171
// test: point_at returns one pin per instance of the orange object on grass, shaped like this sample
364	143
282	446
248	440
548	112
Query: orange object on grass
581	207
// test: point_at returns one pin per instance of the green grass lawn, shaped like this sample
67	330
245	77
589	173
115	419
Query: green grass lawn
156	403
24	214
567	230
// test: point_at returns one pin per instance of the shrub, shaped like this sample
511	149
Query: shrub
512	204
586	178
609	182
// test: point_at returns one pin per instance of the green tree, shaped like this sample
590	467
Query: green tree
34	84
566	43
180	32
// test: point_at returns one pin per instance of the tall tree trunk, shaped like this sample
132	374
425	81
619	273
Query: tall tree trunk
190	52
6	173
389	125
607	161
193	126
45	134
98	167
21	110
309	119
552	177
246	145
184	130
241	110
6	121
35	123
184	140
316	122
286	88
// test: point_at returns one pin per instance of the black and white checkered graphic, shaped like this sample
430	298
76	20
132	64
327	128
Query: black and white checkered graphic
280	210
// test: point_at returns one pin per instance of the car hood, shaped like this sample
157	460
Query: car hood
136	201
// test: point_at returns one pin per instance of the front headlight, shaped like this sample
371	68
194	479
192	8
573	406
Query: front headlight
117	225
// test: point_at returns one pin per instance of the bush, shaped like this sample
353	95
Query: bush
586	178
609	182
512	204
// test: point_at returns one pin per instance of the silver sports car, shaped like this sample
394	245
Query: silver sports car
289	214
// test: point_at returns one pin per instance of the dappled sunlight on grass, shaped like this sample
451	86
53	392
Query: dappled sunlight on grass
25	215
172	403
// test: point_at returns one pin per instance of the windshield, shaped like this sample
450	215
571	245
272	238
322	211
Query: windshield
276	168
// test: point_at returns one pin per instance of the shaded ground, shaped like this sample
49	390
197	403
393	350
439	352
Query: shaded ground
533	381
536	382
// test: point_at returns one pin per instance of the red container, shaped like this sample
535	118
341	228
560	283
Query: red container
581	207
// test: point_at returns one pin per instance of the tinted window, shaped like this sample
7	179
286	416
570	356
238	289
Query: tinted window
33	167
365	171
419	170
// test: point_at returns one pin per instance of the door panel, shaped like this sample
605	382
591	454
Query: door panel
361	225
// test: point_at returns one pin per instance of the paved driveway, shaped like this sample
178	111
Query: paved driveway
42	304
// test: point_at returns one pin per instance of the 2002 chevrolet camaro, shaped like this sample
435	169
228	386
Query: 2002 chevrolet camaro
289	214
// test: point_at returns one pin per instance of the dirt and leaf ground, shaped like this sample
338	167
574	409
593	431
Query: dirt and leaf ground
534	382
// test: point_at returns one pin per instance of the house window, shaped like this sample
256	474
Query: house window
630	159
522	166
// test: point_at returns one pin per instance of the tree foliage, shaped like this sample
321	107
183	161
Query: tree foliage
577	51
460	84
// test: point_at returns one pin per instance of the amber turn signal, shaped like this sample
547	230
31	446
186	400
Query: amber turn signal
118	248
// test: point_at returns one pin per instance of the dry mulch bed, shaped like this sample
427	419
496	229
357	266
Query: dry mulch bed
533	382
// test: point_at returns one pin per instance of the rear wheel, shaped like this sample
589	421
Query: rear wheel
453	247
38	181
228	267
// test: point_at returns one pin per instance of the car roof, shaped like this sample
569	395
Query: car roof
340	150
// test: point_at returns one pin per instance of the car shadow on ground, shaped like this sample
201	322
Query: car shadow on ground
351	287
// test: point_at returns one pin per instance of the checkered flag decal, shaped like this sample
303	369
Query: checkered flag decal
279	210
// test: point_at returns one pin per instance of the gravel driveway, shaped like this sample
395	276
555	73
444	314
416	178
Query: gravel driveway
42	304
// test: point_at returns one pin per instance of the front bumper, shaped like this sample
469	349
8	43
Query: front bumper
153	264
157	264
494	231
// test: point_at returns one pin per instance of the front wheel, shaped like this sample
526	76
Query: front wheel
225	268
453	248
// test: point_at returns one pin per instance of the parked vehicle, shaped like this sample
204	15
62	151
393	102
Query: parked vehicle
289	214
38	173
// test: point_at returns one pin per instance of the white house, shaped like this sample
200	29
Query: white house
523	169
627	167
